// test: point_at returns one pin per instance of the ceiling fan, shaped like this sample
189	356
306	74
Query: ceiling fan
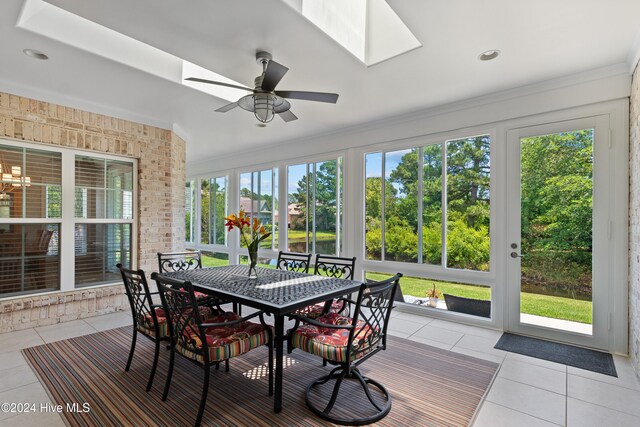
264	101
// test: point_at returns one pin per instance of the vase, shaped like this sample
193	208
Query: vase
253	260
433	302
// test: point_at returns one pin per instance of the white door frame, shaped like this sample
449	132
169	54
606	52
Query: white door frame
603	177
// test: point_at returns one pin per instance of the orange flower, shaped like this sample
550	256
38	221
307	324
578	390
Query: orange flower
251	229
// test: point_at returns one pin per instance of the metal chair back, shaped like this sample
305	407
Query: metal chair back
333	266
179	261
291	261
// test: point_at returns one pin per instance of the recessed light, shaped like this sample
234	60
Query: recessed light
35	54
489	55
261	125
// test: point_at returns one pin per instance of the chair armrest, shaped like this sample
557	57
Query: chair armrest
316	323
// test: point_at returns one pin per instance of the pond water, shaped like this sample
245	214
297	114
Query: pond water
326	247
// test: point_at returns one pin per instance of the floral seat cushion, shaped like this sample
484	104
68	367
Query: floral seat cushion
145	323
225	341
315	311
331	344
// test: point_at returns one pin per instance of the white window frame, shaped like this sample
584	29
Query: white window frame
68	220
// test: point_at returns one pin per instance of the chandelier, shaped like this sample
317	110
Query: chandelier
11	178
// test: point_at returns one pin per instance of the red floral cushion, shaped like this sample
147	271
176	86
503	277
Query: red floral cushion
225	341
315	311
331	344
145	324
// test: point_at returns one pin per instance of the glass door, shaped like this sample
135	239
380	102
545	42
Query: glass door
557	231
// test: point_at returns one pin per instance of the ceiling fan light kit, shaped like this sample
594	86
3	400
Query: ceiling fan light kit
265	102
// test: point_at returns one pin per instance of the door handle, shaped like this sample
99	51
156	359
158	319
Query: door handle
515	255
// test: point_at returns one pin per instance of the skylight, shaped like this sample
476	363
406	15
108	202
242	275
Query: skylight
58	24
369	29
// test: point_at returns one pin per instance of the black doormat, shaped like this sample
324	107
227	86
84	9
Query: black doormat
578	357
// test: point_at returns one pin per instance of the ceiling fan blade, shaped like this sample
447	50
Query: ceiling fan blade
272	76
196	79
288	116
227	107
308	96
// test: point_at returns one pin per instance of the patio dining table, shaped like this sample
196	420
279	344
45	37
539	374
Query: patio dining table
276	292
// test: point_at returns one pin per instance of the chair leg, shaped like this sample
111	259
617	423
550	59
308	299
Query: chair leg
270	368
203	399
226	365
336	390
133	347
340	374
167	384
155	365
364	381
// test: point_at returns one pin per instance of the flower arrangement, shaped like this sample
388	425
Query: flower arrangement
252	232
433	293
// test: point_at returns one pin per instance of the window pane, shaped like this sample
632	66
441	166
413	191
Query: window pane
119	175
104	188
313	207
265	213
258	200
27	175
29	258
401	206
275	231
213	209
219	210
205	211
98	248
373	206
468	170
190	200
432	205
298	236
325	207
90	172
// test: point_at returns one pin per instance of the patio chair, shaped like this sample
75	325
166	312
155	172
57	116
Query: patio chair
347	343
331	266
182	261
208	338
291	261
148	318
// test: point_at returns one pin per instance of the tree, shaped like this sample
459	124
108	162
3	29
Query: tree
212	222
468	168
325	184
557	211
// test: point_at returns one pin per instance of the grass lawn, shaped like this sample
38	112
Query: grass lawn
539	305
301	235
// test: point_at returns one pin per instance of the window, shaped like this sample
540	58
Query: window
104	218
30	188
190	210
405	191
258	197
314	208
213	209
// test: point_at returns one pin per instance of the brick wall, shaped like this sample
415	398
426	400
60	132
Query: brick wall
161	174
634	223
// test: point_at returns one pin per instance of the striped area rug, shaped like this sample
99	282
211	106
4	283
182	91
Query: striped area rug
429	386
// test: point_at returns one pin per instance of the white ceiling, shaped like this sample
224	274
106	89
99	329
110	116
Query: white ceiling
539	40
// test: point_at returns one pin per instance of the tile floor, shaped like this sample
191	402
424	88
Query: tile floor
526	391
